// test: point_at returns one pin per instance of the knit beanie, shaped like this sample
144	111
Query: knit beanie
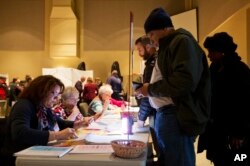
157	19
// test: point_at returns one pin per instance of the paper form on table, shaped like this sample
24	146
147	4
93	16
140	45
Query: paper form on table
92	149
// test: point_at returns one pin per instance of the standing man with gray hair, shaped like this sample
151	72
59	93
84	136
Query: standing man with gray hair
179	90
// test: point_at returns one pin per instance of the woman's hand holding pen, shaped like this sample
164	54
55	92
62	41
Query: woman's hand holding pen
84	122
70	133
64	134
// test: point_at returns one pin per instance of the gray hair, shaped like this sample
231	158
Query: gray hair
69	92
105	89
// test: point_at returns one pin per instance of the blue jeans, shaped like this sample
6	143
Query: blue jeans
175	148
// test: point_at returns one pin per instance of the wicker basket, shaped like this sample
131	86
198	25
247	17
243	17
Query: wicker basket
128	148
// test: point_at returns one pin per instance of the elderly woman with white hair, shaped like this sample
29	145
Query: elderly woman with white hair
103	101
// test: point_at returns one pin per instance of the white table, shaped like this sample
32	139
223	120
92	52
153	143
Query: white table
88	159
82	160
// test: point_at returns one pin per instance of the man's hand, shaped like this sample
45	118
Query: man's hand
140	123
143	90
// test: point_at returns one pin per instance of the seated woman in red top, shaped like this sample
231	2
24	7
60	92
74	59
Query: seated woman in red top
90	90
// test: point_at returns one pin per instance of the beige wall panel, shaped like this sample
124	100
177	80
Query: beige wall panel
236	26
24	32
106	23
213	12
22	25
63	31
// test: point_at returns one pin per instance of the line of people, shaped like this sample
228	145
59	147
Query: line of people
190	99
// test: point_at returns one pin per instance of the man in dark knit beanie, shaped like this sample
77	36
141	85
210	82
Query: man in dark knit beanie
158	19
179	90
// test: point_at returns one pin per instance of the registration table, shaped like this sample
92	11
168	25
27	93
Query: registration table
84	159
92	136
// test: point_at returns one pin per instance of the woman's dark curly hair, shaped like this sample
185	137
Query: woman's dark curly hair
221	42
39	88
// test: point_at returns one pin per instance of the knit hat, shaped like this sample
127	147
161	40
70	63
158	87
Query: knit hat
221	42
157	19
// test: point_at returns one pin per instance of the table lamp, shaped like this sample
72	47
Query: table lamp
127	123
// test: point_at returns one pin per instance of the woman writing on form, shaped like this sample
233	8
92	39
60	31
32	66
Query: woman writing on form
32	122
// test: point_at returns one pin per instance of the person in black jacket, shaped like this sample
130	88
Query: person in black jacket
79	85
148	52
115	81
227	134
179	89
32	122
115	66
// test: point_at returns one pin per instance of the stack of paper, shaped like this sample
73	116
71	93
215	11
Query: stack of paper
105	124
